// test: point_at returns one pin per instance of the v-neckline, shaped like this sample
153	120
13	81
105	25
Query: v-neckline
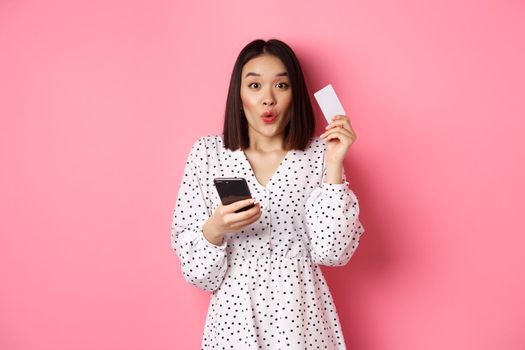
252	172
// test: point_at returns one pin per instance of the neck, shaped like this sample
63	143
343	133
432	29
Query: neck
265	144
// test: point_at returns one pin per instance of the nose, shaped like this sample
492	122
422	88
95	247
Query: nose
268	99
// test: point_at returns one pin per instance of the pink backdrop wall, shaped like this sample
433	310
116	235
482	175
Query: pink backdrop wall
101	100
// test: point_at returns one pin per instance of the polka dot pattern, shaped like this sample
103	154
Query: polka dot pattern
267	289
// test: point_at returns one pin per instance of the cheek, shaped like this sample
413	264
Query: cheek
248	100
243	97
287	100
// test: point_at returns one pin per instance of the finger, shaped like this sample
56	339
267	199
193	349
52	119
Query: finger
230	208
341	136
337	130
233	218
344	137
344	122
249	212
339	124
236	219
340	117
243	223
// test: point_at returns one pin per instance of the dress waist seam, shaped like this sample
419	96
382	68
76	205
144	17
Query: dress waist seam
272	257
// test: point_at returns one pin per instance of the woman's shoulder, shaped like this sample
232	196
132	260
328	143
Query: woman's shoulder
208	141
207	145
316	145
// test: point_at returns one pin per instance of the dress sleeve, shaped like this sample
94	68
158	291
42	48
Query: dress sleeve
203	263
332	223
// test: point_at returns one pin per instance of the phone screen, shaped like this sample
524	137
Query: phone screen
233	189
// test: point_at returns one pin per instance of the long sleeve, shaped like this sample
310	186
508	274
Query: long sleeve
203	263
332	223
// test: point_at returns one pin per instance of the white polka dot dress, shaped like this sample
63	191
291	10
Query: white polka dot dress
267	289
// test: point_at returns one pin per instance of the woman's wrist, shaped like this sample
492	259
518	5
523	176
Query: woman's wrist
210	234
334	173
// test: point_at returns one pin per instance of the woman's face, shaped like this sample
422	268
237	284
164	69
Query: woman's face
266	95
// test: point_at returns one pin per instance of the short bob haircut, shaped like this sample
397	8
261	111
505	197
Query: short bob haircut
299	128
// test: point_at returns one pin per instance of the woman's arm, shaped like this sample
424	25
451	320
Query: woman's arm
332	210
203	263
332	223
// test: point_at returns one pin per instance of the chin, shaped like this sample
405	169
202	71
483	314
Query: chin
268	130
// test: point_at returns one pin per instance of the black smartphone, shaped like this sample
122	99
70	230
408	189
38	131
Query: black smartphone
233	189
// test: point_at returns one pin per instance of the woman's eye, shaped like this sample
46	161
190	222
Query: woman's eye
280	85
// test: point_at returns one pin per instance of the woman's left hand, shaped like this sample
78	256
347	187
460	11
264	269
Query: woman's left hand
339	136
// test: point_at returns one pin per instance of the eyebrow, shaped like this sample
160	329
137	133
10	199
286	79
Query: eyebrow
283	74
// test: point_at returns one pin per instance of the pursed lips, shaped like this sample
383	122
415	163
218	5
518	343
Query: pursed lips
269	117
268	114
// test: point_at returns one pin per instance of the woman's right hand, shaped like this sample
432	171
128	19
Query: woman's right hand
224	220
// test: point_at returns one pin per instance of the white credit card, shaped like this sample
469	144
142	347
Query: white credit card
329	103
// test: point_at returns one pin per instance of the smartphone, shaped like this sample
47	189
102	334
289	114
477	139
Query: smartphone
233	189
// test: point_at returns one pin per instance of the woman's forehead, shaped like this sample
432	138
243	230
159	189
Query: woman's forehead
265	65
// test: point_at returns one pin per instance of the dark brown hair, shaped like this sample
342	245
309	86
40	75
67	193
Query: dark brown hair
300	127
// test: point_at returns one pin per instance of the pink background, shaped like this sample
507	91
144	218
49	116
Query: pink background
101	100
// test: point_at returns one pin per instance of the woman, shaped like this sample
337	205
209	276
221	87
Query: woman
262	265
